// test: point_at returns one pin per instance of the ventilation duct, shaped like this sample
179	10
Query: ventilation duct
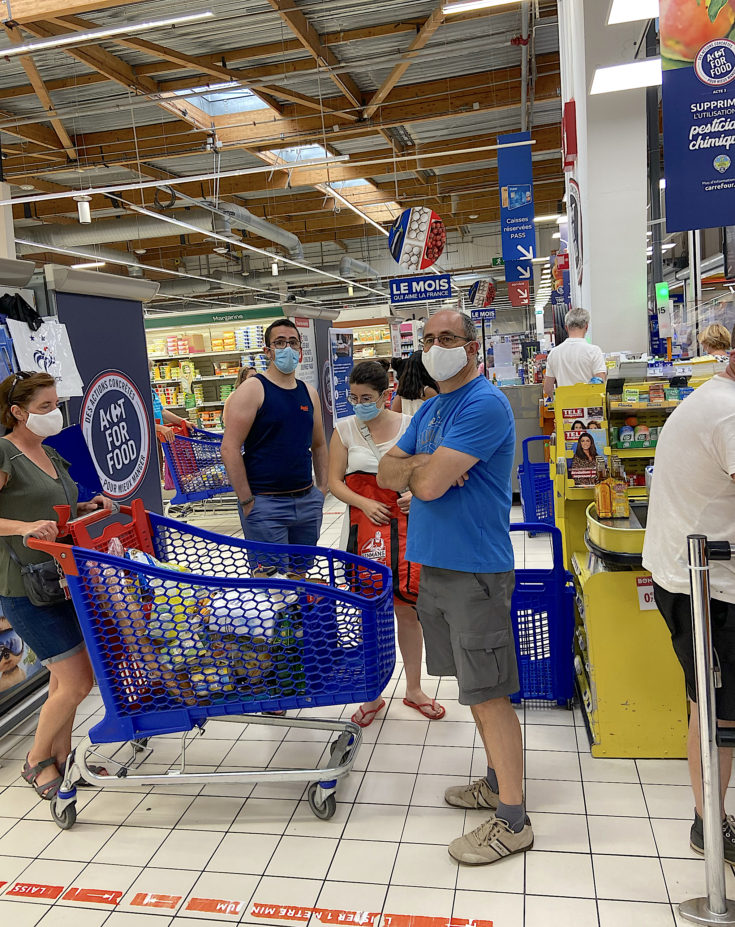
106	231
230	215
352	268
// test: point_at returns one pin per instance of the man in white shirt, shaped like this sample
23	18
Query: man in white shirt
574	360
693	493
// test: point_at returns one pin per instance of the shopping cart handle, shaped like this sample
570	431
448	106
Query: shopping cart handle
89	518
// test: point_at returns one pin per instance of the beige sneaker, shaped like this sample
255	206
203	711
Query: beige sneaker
475	795
490	842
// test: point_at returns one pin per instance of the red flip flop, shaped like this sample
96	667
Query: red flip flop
432	704
366	718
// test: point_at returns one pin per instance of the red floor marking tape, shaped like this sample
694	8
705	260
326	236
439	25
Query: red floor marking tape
365	918
215	906
146	900
336	916
32	890
282	912
96	895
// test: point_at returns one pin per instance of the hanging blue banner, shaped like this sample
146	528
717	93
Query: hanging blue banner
419	289
518	270
698	60
515	180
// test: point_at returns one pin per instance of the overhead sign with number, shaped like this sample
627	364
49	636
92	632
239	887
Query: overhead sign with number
418	289
515	179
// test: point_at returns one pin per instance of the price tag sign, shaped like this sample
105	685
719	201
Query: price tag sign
646	602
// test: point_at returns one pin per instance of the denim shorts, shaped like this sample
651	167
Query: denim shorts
52	632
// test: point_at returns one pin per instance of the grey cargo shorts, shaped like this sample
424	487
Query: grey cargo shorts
468	631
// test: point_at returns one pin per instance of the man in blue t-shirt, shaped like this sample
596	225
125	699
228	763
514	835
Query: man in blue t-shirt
456	458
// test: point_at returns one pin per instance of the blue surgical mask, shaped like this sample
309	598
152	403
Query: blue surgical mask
286	359
367	411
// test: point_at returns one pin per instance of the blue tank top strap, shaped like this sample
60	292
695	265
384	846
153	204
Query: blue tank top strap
277	450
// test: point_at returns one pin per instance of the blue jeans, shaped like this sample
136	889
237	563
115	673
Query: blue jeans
285	519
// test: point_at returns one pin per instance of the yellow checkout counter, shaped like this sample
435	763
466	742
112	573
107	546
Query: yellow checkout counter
629	681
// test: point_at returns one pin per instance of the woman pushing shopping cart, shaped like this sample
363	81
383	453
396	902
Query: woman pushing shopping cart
183	625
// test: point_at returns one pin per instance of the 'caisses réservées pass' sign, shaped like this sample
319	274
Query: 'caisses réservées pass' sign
420	289
698	59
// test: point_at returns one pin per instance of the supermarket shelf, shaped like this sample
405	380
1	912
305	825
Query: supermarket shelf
225	376
161	357
624	406
634	451
203	405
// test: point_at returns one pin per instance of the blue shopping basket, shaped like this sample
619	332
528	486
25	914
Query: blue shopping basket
171	649
537	489
195	465
543	625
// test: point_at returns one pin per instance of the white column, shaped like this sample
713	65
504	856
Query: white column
7	235
611	172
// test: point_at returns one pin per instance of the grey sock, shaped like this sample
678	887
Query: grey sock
492	779
513	815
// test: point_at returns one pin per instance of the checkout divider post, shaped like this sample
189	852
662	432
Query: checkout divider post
715	908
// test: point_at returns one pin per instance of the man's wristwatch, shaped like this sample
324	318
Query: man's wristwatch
244	502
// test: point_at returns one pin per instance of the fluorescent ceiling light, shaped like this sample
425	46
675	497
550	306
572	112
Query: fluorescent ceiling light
90	265
79	38
327	188
632	11
646	73
274	269
662	184
552	218
467	6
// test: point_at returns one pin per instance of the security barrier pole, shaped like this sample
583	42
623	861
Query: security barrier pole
715	908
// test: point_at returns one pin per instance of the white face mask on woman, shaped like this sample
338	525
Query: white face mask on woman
46	425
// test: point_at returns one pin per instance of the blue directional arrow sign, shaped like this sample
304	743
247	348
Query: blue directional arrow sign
518	270
515	180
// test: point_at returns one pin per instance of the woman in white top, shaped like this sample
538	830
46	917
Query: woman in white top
350	453
415	386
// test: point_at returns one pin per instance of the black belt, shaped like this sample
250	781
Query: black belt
296	494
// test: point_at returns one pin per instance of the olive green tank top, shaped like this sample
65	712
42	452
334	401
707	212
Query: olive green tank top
29	495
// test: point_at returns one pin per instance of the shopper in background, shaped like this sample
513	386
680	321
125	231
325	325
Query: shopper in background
414	387
353	466
693	493
456	458
272	435
33	479
243	374
575	360
715	340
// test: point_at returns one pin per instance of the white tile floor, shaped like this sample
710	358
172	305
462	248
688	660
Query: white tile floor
611	836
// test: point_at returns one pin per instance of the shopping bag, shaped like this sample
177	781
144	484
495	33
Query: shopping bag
47	350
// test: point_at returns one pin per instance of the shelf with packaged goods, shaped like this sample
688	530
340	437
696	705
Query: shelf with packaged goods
229	376
169	357
619	406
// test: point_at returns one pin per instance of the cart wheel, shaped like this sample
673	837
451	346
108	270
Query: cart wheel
324	811
66	818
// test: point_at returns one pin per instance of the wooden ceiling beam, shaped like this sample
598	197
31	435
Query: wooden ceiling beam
27	11
312	41
423	36
29	66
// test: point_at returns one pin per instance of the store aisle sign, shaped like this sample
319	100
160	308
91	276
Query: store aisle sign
116	428
698	60
515	179
405	290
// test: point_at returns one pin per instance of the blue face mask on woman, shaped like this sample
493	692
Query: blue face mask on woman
286	359
367	411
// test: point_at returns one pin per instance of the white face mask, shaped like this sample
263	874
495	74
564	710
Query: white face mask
46	425
444	363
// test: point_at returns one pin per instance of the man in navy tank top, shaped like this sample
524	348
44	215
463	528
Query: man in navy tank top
273	434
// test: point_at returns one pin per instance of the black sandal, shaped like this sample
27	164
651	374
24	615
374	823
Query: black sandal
48	790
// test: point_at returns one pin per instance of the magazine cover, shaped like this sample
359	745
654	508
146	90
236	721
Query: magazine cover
586	436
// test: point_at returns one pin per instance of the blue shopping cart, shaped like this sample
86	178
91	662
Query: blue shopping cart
543	625
194	464
537	488
191	625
